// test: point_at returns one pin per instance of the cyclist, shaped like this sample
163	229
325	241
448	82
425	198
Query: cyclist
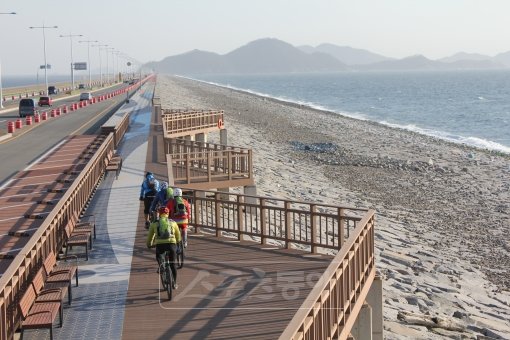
180	212
164	194
165	235
150	186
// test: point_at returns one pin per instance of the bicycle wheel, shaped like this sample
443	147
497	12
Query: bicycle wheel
169	278
180	257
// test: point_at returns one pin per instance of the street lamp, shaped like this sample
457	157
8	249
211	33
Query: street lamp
100	70
1	92
44	45
88	56
70	36
107	75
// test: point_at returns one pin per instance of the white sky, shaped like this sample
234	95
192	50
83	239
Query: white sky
150	30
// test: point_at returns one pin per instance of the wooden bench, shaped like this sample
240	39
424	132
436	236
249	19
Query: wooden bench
59	275
46	294
77	239
38	315
113	163
89	226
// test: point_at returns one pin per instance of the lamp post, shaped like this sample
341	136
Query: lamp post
100	70
107	75
44	47
71	36
1	92
88	56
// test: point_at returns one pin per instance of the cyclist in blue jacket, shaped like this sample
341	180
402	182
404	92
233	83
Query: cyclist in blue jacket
164	194
150	187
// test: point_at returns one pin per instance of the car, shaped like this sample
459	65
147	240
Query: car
85	96
52	90
27	107
45	101
81	86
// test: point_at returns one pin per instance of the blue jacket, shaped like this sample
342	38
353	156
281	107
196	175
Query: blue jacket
160	198
145	186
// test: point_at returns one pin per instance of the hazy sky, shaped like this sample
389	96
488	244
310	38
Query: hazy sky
149	30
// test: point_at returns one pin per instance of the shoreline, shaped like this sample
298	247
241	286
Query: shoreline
328	111
442	211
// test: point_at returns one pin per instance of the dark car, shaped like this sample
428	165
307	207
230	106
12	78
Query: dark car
52	90
27	107
45	101
81	86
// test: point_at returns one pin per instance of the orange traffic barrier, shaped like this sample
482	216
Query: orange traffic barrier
10	127
44	115
28	120
19	124
37	118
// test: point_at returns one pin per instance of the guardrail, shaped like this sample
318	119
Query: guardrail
332	307
49	237
179	123
293	223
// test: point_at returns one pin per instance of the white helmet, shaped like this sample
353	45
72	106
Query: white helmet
177	192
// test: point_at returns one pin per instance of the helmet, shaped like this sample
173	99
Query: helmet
169	192
163	210
177	192
149	174
164	185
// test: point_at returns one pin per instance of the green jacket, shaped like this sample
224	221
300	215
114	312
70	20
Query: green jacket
152	238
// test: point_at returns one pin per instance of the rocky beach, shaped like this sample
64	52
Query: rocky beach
443	209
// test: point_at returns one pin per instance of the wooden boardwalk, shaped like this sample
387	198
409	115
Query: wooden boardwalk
227	290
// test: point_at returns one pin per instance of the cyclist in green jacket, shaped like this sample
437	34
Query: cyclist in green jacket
165	235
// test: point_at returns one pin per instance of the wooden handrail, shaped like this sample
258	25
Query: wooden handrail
177	123
332	306
302	224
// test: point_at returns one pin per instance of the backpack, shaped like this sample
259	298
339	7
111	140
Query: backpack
165	231
179	207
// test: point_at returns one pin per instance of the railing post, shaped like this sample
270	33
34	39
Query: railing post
262	221
188	168
230	164
217	206
209	166
240	220
288	224
341	227
313	225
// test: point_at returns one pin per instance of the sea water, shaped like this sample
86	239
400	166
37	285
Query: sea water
470	107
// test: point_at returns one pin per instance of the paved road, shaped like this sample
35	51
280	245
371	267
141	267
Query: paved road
11	107
27	145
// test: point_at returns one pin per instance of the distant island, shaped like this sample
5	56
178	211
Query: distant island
270	56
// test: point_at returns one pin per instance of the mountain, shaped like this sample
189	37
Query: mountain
346	54
503	58
421	63
259	56
465	56
269	56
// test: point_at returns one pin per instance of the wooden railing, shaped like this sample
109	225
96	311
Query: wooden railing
332	307
118	124
211	167
49	237
291	223
179	123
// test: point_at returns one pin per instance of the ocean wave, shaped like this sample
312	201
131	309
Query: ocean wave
471	141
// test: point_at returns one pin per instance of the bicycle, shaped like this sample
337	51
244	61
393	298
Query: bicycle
180	255
165	273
